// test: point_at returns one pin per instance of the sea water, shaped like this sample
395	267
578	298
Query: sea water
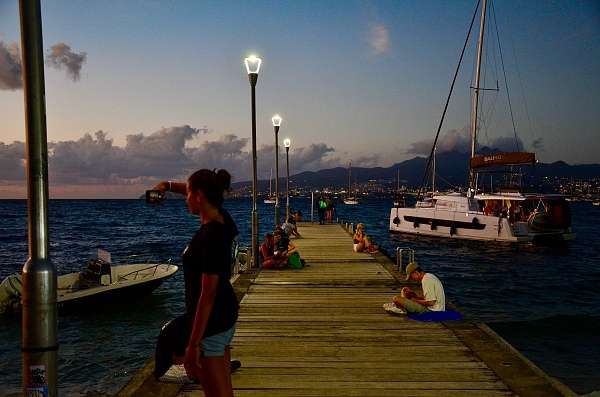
543	300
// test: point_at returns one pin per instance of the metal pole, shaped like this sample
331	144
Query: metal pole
253	79
39	320
312	206
276	175
287	184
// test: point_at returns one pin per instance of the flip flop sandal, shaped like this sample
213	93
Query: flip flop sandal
390	307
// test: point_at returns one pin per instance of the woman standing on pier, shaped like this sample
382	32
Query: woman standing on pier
211	303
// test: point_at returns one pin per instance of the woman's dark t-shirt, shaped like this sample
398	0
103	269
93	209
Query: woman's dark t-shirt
209	252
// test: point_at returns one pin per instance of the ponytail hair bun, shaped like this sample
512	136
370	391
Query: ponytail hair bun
212	183
223	179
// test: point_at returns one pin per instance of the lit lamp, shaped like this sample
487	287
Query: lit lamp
253	67
276	124
287	143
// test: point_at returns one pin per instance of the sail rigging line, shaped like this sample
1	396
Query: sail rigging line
447	182
487	102
437	135
520	79
512	117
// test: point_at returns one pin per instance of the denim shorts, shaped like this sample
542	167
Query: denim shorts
214	346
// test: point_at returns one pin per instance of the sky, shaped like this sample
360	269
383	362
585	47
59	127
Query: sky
141	91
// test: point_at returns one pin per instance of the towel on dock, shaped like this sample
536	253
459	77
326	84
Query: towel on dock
430	316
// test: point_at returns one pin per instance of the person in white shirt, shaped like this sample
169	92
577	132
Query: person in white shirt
290	228
433	298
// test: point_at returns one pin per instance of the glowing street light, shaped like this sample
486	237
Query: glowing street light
253	67
276	124
287	143
253	64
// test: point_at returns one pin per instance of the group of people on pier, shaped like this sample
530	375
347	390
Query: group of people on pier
200	338
325	209
278	251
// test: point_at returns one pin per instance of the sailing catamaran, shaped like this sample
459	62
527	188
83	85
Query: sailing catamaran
350	199
501	214
271	199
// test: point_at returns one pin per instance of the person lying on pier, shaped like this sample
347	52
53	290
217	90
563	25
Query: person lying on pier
205	331
433	298
267	253
290	228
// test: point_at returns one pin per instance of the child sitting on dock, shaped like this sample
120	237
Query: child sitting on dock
433	298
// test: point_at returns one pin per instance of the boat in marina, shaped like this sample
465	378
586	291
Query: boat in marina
493	212
271	199
98	283
350	199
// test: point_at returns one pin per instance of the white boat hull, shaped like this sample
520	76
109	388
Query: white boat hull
466	226
454	224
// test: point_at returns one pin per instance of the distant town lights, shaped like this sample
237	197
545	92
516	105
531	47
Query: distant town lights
253	64
287	142
276	120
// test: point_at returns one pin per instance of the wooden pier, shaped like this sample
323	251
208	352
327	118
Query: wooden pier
321	331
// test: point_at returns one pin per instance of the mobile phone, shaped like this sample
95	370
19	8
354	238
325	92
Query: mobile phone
154	196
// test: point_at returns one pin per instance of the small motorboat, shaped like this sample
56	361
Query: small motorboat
100	282
351	200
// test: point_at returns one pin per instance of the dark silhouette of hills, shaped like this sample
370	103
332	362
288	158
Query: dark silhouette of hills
452	169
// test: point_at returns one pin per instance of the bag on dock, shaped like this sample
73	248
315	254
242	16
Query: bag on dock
294	261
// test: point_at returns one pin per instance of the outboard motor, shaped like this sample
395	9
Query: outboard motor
10	293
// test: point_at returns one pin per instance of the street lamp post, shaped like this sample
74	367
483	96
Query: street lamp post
39	319
276	124
253	67
287	143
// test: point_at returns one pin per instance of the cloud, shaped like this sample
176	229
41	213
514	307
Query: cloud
167	153
10	67
452	140
460	141
538	144
313	157
372	160
12	157
60	56
379	39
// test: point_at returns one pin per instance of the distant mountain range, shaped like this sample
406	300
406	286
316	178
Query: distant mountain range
452	168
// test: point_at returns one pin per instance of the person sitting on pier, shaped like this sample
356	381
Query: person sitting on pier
433	298
267	252
361	241
290	227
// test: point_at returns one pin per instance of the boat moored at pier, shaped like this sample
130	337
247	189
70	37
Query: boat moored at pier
508	217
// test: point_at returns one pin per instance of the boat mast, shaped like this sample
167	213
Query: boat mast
475	101
433	172
349	178
270	180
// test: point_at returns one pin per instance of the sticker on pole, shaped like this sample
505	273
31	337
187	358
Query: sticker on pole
38	382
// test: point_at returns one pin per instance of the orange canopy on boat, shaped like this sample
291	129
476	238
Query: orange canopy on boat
500	159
